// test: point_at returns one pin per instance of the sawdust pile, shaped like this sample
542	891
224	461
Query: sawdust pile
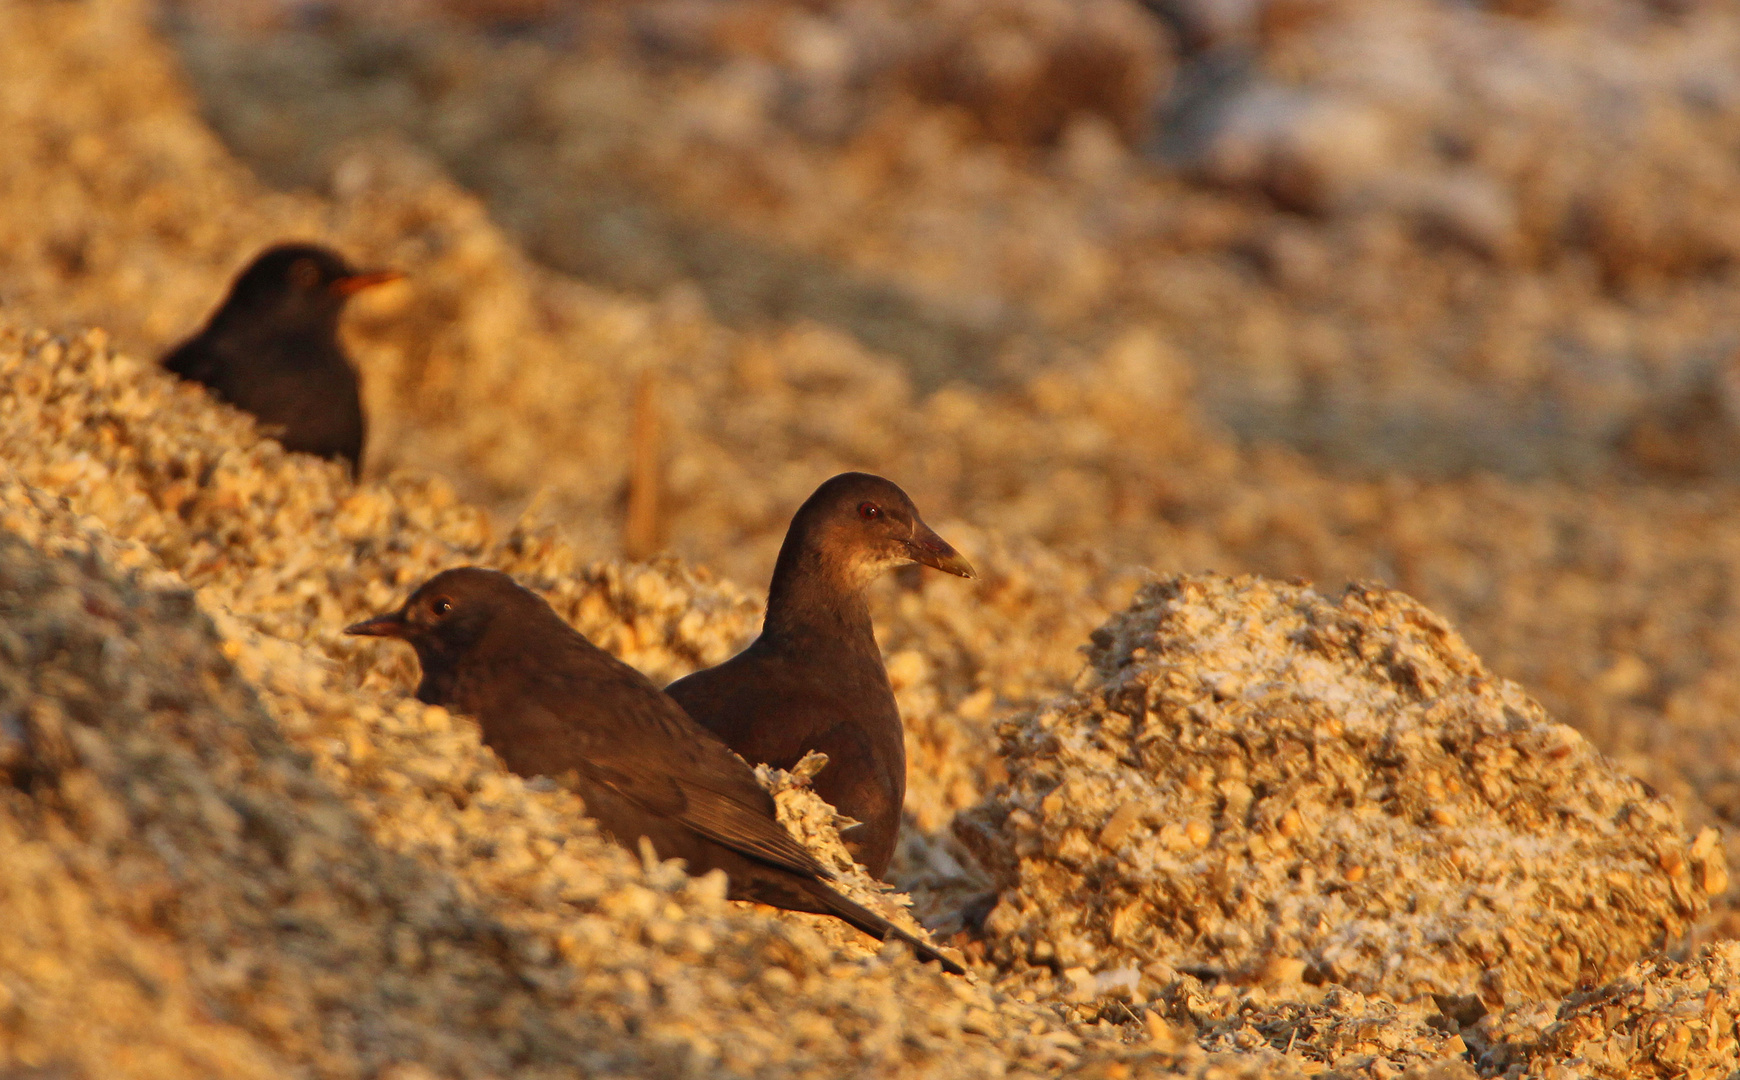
160	464
1612	602
282	552
1403	232
514	382
615	965
1260	778
1608	602
1662	1018
183	895
1023	71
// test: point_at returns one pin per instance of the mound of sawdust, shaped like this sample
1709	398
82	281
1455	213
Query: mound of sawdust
621	967
1402	232
127	212
1611	604
301	818
514	384
1258	778
1662	1019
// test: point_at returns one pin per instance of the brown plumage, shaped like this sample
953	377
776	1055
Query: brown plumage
814	679
272	349
550	703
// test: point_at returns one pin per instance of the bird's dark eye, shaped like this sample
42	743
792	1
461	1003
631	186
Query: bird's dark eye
869	511
441	606
304	274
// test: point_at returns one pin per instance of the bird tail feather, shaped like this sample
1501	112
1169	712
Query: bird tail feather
877	927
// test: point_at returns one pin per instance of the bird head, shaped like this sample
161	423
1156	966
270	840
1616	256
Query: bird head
445	620
862	525
299	283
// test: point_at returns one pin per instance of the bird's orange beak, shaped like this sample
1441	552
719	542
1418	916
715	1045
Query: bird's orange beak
932	550
355	283
392	624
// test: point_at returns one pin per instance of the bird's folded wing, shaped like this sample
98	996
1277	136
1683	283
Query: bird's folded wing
727	821
720	818
652	754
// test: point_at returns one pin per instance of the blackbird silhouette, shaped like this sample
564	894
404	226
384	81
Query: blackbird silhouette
272	349
551	703
814	679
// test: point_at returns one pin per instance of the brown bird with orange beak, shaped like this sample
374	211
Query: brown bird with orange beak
551	703
272	349
814	679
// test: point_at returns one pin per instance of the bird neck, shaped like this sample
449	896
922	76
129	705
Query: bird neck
440	678
813	601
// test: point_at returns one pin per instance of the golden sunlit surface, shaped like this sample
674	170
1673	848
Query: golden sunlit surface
1176	317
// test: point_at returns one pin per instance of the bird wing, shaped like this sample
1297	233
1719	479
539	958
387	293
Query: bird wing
713	814
724	820
645	748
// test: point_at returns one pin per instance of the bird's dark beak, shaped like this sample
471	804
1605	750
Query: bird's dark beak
355	283
392	624
932	550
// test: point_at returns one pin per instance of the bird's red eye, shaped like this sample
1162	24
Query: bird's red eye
869	511
441	607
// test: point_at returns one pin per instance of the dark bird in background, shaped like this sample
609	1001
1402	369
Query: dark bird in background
553	704
814	679
272	349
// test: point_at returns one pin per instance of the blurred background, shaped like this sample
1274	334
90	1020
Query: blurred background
1436	293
